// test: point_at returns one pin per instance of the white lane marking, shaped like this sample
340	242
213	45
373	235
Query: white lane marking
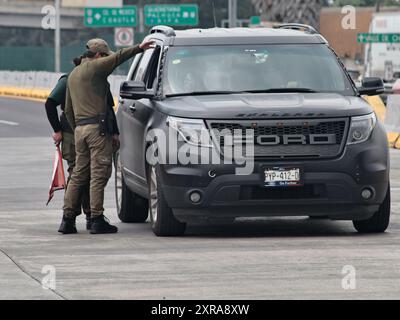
10	123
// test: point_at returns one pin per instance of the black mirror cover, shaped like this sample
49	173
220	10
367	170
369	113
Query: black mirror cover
135	90
371	86
133	86
372	82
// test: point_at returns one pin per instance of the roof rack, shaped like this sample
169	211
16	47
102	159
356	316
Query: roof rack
297	26
168	31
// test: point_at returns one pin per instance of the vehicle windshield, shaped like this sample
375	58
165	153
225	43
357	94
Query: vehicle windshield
238	68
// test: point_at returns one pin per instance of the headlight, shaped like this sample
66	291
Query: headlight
192	131
361	128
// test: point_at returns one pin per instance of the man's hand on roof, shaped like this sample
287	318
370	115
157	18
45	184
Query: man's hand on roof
147	45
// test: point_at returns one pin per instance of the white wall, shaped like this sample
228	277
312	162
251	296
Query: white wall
45	80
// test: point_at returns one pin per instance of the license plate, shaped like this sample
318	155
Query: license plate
280	177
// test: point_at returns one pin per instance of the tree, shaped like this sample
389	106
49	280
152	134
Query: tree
300	11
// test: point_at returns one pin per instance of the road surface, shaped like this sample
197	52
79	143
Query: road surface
278	258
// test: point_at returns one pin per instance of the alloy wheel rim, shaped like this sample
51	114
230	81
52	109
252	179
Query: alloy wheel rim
118	184
153	194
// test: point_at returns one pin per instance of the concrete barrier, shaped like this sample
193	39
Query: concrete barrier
392	120
38	85
396	87
384	116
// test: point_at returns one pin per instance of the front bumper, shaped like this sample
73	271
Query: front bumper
331	187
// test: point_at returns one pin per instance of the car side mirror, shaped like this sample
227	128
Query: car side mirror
135	90
371	86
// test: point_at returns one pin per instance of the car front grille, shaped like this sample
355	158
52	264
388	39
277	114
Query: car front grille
281	128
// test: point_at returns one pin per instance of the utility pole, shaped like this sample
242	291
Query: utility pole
141	16
57	50
232	10
378	6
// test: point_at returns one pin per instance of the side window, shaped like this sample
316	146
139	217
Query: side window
140	71
151	72
135	66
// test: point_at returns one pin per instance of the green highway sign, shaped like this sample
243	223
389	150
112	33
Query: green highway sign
172	15
378	38
111	17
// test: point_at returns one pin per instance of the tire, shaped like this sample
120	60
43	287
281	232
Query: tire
163	222
131	208
379	222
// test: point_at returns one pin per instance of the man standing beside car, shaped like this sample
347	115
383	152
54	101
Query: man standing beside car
86	111
64	134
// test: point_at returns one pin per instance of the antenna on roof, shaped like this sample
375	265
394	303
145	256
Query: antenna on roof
214	14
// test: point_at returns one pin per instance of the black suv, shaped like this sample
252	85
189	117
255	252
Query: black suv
304	141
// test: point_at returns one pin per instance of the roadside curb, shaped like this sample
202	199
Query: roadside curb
32	94
37	94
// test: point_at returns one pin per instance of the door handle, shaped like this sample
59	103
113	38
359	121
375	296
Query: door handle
132	108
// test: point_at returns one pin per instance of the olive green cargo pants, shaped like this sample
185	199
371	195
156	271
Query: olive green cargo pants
93	165
68	154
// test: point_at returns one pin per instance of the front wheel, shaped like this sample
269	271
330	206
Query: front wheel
163	222
379	221
131	207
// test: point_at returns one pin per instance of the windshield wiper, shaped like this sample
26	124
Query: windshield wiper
201	93
278	90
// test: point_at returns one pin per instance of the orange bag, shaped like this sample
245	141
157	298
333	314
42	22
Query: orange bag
58	180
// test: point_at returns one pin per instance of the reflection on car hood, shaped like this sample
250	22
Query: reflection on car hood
265	105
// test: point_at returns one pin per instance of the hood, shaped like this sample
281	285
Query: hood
265	105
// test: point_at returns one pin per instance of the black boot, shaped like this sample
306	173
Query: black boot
88	222
100	224
67	225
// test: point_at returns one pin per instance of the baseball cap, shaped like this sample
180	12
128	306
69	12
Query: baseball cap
98	45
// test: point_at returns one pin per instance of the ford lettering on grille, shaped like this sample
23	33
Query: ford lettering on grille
271	140
306	138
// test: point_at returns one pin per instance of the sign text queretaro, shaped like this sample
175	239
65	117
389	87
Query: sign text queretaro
172	15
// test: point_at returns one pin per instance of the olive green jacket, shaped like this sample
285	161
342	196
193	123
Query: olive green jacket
88	86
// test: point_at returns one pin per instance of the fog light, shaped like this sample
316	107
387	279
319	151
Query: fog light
366	193
195	197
